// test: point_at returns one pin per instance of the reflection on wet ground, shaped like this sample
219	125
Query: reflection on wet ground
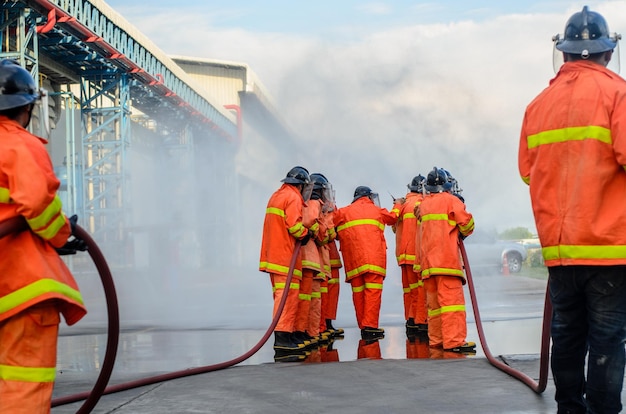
150	350
510	307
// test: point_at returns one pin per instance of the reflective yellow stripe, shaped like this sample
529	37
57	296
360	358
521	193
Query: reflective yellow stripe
357	289
47	215
275	268
570	134
297	230
365	268
35	289
27	374
281	285
335	262
442	271
408	216
406	289
438	217
309	264
468	227
414	285
446	309
315	227
369	222
410	257
584	252
274	210
5	197
333	281
52	230
323	289
304	297
316	295
373	286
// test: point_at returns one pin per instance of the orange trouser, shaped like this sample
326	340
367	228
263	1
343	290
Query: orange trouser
304	300
446	311
324	310
333	293
420	308
28	351
287	319
367	292
315	311
410	283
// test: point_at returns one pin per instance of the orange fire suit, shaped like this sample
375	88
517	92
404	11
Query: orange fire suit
311	265
329	310
35	284
584	221
282	226
333	281
360	230
413	288
442	217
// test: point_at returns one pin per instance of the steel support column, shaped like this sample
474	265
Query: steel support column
105	113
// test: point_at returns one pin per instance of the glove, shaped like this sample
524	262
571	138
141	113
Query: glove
73	243
306	238
72	246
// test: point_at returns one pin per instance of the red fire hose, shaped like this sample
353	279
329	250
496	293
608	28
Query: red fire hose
17	225
100	388
545	336
199	370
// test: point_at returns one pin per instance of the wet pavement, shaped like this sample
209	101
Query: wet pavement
393	375
349	376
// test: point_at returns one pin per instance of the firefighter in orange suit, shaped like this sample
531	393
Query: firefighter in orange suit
360	230
329	288
333	288
414	296
311	268
282	227
443	219
35	284
572	154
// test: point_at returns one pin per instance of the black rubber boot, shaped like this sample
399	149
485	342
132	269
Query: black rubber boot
331	328
301	337
283	342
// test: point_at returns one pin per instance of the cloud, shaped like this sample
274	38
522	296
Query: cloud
384	106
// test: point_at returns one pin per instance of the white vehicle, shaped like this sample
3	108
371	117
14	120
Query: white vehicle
487	254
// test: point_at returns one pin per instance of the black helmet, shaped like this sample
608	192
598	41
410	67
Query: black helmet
362	191
297	175
319	181
17	86
417	184
437	180
321	187
586	33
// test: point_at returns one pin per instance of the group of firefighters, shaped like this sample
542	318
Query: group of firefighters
428	224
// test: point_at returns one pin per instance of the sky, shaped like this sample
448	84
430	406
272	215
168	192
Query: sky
381	91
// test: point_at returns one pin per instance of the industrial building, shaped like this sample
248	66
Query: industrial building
142	142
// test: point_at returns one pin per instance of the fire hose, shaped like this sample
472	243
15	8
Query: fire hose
192	371
537	387
100	388
18	224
